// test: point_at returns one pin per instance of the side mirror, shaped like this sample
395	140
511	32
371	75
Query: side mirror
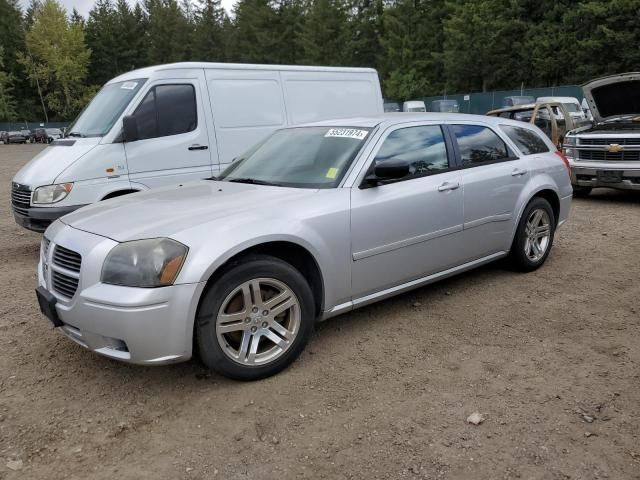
389	170
129	129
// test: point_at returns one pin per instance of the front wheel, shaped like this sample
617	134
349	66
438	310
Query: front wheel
534	236
255	319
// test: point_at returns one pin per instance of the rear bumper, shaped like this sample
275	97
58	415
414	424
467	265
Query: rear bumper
587	176
38	219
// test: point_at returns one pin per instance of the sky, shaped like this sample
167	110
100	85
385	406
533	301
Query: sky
83	6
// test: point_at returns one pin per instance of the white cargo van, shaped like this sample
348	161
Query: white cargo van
182	122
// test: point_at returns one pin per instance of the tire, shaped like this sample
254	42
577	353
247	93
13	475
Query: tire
226	347
524	255
581	192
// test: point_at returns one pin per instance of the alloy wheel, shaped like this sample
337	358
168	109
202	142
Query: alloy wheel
538	234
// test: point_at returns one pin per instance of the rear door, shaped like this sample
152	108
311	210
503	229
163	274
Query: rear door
493	177
173	144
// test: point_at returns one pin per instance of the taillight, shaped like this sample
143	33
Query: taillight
565	160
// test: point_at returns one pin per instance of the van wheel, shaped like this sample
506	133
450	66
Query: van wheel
534	236
581	192
255	319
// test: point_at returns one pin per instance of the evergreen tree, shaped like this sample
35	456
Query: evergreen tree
168	32
366	29
7	102
253	38
209	39
325	34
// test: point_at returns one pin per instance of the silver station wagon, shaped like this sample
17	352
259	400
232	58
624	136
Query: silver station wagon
313	222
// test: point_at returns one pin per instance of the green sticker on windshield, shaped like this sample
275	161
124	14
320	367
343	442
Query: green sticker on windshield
332	172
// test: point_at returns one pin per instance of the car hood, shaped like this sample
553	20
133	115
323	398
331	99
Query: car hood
45	167
613	96
165	211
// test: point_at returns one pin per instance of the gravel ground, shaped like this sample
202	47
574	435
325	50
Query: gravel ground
550	359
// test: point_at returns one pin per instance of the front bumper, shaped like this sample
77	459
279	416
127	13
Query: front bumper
148	326
588	176
38	219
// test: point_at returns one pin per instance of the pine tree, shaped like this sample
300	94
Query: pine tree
325	35
209	40
7	101
168	32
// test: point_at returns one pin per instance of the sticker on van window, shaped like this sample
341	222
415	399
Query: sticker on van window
332	172
347	133
129	85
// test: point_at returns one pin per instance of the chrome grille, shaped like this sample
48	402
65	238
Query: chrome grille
65	271
610	141
64	284
604	155
65	258
20	198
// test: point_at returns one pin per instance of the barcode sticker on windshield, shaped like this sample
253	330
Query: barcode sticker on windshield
129	85
346	133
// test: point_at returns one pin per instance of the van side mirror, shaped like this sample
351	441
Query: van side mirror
130	129
389	170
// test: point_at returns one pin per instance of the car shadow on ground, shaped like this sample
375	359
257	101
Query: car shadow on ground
609	195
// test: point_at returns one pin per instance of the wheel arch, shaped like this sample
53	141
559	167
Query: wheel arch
288	251
546	192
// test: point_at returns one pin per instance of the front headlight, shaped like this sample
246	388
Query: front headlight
569	141
155	262
51	193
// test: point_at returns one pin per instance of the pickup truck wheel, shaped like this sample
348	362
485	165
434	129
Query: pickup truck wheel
534	236
255	319
579	191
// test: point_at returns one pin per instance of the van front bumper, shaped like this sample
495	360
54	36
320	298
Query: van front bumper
619	177
38	219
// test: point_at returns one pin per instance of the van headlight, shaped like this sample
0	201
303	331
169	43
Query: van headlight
51	193
155	262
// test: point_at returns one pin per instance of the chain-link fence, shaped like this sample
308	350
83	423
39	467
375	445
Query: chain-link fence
11	126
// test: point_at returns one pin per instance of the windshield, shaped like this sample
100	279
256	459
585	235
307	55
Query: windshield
305	157
106	107
572	107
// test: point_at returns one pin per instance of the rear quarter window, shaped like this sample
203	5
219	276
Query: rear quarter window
527	141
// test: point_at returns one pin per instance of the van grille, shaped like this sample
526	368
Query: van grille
20	198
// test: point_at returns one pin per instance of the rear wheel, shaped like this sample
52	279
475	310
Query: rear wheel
255	319
534	236
579	191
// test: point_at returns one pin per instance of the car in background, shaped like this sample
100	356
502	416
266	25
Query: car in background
53	134
607	153
16	136
414	106
445	106
3	136
390	107
518	100
552	118
315	221
571	105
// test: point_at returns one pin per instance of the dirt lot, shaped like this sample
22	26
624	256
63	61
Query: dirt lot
551	359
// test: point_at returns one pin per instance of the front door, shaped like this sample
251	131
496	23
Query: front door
412	227
173	145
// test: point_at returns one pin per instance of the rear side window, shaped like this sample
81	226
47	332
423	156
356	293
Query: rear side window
528	141
423	147
479	145
167	110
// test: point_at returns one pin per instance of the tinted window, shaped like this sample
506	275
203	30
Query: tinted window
167	110
423	147
479	145
527	140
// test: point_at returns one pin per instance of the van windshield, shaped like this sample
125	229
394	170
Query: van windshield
303	157
98	117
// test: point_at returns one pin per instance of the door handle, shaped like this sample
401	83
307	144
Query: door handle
447	186
518	172
198	147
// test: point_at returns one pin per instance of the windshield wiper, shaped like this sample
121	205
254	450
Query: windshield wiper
253	181
74	134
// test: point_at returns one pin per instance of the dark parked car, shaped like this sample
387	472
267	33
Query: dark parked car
16	137
53	134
